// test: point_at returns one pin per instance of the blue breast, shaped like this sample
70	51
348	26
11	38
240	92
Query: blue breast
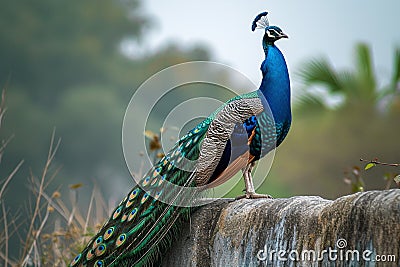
275	85
274	123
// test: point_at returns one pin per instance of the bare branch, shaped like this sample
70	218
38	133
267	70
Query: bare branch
8	179
37	234
6	234
375	161
89	211
52	150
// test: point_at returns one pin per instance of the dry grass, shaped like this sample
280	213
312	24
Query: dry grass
52	231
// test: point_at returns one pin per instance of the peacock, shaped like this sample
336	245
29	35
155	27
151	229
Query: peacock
230	140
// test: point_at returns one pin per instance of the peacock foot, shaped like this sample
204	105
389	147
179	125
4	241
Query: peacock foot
253	196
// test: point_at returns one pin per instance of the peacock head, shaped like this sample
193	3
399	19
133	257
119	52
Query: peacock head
272	33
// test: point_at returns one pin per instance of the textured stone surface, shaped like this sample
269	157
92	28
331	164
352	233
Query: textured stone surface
254	232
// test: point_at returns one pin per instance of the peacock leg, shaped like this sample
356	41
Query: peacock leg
248	181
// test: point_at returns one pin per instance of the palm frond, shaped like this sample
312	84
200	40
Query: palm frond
392	90
309	100
396	69
320	71
364	65
364	68
350	83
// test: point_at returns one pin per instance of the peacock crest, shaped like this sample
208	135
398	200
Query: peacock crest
260	22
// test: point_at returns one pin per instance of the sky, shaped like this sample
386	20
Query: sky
315	28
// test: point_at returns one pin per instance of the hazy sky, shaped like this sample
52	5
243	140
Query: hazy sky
315	28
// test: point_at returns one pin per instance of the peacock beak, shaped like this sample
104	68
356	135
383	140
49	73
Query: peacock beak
283	35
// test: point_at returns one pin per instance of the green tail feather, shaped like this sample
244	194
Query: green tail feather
141	228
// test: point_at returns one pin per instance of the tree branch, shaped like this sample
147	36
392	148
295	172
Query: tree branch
375	161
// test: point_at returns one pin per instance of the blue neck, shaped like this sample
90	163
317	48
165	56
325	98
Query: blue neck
275	85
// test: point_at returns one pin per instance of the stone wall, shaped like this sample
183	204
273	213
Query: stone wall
354	230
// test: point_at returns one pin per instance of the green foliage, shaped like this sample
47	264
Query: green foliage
48	46
324	140
65	70
320	71
396	69
369	166
389	177
364	71
358	86
357	183
391	93
322	143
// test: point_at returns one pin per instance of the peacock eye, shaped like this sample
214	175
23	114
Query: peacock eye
99	263
271	33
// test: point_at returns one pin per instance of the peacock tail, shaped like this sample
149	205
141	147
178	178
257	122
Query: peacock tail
142	226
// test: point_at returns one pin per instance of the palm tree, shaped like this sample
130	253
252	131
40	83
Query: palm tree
335	140
358	87
391	93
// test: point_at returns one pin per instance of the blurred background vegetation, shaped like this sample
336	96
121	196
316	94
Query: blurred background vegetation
62	67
